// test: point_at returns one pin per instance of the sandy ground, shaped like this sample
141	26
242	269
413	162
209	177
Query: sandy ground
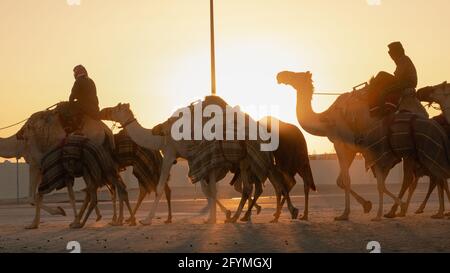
187	233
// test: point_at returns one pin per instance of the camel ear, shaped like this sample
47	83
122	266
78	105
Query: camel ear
127	105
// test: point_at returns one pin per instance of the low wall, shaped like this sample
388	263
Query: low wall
325	172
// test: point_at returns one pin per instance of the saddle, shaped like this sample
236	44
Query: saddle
70	116
391	103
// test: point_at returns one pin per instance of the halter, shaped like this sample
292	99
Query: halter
128	123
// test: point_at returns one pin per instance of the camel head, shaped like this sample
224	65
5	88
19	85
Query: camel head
301	81
120	113
439	93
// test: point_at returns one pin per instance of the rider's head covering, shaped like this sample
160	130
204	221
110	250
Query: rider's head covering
79	71
396	47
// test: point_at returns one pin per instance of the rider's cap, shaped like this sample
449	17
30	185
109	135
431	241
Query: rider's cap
80	71
396	47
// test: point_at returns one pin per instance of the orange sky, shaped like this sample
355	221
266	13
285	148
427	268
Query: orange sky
155	53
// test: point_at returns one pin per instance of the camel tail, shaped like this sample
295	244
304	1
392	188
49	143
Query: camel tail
307	176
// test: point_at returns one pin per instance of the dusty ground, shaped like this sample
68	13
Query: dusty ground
415	233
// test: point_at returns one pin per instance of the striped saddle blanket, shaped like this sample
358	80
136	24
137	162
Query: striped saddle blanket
408	135
210	156
146	163
77	156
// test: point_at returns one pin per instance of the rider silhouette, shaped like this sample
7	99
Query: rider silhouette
84	93
405	77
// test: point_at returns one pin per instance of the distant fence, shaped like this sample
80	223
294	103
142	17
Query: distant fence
325	171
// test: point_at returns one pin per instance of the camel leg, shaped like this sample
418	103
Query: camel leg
258	192
440	214
277	176
431	188
408	179
212	198
224	210
381	179
279	206
92	204
35	180
37	215
306	209
141	197
168	192
77	222
72	200
412	189
345	159
168	160
244	198
246	191
205	190
123	196
445	184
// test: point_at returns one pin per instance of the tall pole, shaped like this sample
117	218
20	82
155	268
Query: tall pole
17	180
213	50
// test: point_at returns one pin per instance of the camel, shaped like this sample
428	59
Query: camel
342	123
171	150
439	94
42	132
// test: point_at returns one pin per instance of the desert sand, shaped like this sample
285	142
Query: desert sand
187	233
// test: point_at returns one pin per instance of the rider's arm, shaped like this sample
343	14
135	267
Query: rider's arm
75	91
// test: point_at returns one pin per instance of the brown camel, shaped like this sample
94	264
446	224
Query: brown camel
342	123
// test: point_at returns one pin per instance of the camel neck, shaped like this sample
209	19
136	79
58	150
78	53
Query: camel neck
308	119
144	137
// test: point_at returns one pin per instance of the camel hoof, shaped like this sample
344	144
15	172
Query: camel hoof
343	217
132	222
376	219
367	206
438	216
304	218
294	214
390	215
168	221
447	214
32	226
76	225
146	222
231	221
99	218
419	211
258	210
274	221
